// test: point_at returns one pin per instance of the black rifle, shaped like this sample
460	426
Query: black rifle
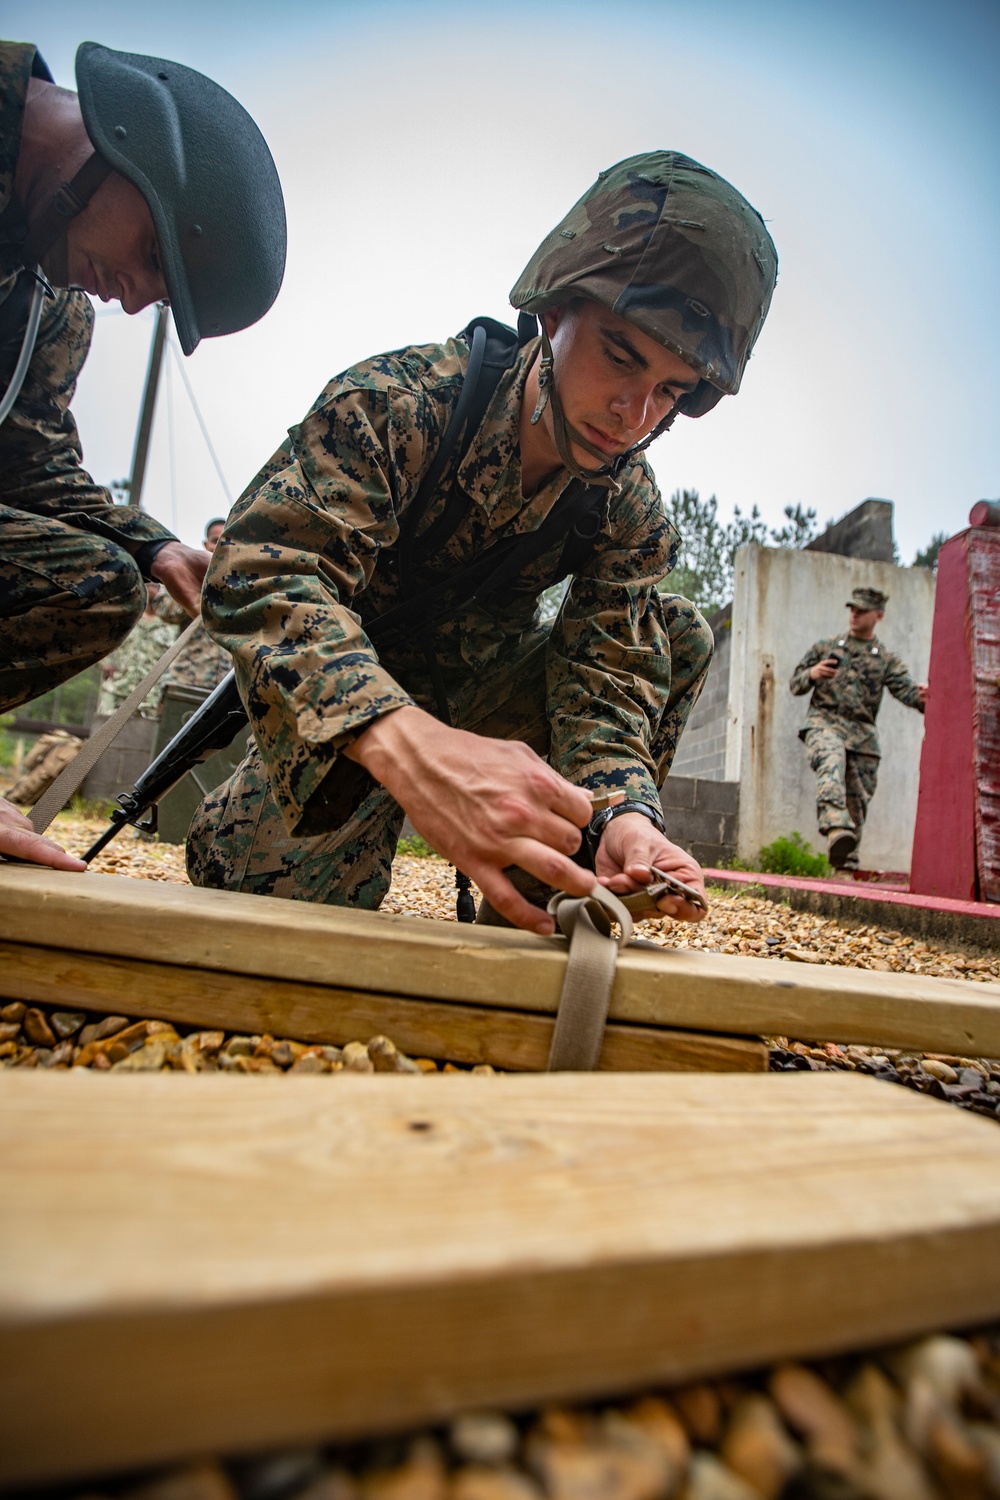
213	726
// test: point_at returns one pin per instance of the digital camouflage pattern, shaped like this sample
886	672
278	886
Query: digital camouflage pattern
134	659
309	555
672	247
238	839
866	599
845	784
71	561
201	664
840	734
849	702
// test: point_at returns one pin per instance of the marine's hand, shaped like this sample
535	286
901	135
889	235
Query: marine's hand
182	571
20	841
923	693
824	669
629	847
483	804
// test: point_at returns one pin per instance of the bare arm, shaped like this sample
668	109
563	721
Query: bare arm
630	846
182	571
482	803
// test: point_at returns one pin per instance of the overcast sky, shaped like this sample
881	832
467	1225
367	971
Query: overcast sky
425	148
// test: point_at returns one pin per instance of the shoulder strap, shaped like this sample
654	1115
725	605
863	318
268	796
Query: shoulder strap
493	348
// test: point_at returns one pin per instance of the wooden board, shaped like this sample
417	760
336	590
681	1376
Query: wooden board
323	1013
493	967
180	1273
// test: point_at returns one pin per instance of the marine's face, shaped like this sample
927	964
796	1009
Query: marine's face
615	383
113	253
863	621
212	536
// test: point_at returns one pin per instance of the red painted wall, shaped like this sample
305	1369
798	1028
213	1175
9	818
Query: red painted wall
944	839
956	844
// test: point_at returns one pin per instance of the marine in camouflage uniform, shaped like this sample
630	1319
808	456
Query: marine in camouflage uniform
840	733
72	563
132	661
310	557
201	663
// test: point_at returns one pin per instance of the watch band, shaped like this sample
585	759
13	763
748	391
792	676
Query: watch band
600	820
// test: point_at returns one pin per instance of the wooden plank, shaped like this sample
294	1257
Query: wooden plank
690	990
324	1013
181	1274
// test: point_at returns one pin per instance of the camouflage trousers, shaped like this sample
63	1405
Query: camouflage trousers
238	840
845	783
67	598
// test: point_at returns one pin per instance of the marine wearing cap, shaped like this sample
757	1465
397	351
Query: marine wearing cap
847	676
865	599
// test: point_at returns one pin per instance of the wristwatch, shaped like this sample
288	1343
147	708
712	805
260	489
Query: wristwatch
600	820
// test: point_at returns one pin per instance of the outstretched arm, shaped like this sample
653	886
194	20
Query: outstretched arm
902	686
482	803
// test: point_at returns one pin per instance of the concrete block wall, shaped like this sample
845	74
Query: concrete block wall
703	817
702	750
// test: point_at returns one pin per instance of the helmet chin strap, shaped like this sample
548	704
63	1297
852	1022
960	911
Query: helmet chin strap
46	239
565	434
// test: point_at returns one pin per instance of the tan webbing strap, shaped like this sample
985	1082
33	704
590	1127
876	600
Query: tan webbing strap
66	783
590	976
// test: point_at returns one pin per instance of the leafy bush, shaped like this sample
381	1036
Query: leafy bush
416	848
792	856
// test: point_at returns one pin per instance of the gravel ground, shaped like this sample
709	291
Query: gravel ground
919	1422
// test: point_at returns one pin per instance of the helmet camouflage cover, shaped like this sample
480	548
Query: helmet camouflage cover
672	247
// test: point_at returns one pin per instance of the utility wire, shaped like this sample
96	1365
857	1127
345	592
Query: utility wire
201	419
170	445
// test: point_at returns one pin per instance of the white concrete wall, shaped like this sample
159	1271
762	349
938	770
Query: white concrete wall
784	601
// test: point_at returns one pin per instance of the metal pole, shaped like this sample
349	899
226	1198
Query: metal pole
145	428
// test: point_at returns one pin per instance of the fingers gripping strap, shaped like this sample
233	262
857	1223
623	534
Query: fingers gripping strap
590	976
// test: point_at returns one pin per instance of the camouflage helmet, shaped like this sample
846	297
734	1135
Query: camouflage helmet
673	248
207	176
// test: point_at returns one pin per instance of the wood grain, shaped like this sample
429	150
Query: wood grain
181	1274
376	952
323	1013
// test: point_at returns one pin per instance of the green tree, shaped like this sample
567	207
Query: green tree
704	572
927	557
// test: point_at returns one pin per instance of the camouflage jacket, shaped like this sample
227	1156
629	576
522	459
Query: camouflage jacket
40	455
201	663
309	555
138	654
850	701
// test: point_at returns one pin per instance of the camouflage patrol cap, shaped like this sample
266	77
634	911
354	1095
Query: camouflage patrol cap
867	599
673	248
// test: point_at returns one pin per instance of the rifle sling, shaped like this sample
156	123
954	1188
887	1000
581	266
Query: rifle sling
66	783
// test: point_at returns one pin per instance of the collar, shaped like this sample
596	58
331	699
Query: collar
874	646
490	472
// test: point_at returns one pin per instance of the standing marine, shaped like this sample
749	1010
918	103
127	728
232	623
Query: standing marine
151	182
847	676
378	583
